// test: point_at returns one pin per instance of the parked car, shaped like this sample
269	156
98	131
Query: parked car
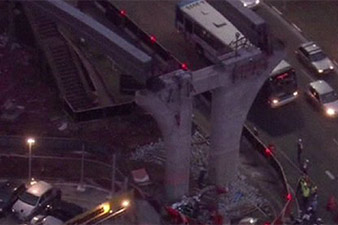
35	199
323	95
57	213
313	56
9	192
251	4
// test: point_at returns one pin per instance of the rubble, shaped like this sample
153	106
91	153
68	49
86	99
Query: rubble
241	199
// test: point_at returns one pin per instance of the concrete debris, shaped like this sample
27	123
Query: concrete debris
151	153
241	197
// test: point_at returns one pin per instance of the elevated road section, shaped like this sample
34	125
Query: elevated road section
234	83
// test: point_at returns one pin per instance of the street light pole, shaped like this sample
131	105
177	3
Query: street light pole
30	142
113	176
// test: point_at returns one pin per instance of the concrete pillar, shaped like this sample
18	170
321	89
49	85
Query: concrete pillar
228	113
229	108
172	110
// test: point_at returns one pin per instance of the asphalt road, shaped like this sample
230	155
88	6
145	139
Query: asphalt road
285	125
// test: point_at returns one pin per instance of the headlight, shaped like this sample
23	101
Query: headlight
257	2
330	112
295	93
320	71
275	101
245	5
125	203
331	67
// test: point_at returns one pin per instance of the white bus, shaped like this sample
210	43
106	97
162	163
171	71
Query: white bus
211	33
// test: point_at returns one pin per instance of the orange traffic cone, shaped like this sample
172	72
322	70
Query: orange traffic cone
331	204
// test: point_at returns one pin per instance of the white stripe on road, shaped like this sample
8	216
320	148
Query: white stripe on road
279	12
269	8
307	74
335	141
297	28
330	175
334	61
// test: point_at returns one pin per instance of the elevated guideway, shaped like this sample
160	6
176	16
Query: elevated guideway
234	83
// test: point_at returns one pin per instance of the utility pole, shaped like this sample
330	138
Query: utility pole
113	176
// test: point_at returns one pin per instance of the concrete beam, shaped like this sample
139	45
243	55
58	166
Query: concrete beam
225	74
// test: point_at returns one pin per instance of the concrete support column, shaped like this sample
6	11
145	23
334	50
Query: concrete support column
173	116
228	114
223	156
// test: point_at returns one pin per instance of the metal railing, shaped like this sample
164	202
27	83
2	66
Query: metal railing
119	18
268	153
60	160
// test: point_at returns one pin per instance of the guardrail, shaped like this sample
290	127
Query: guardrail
268	153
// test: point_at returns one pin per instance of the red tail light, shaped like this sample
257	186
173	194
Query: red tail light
123	13
153	39
184	66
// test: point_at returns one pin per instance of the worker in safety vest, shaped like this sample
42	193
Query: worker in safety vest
306	192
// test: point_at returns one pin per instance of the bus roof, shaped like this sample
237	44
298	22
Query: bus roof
283	66
211	20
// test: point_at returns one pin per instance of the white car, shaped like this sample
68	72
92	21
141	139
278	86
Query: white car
34	199
323	95
313	56
251	4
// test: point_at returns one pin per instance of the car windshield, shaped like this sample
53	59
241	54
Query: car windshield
329	97
29	198
317	56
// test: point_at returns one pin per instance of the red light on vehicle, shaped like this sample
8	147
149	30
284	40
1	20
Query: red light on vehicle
184	66
282	76
268	152
267	223
289	197
123	13
153	39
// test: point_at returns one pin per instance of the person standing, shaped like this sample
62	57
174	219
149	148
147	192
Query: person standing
306	192
299	150
305	166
